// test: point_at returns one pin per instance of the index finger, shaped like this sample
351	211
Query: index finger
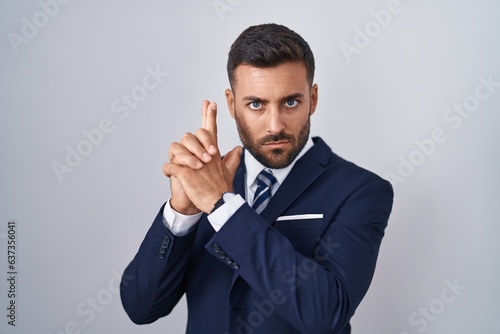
209	119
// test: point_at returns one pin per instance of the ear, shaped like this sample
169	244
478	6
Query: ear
230	101
314	98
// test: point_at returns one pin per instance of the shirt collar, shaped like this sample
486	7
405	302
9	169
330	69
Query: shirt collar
254	167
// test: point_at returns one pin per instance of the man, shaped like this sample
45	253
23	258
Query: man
281	236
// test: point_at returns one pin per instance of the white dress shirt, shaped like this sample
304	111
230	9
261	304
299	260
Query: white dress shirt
180	224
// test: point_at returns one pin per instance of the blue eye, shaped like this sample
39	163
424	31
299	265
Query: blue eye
291	103
255	105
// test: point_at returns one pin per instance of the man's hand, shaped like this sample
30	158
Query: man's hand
199	176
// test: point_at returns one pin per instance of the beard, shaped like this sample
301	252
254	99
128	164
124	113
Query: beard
278	158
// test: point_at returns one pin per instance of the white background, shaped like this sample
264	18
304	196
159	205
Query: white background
75	234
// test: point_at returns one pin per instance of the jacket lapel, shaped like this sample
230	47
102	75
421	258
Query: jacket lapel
239	178
306	170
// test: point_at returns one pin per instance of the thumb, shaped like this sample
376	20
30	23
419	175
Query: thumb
232	159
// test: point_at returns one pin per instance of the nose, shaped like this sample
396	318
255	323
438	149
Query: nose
275	122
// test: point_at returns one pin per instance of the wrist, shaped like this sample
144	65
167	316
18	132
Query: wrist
188	210
226	197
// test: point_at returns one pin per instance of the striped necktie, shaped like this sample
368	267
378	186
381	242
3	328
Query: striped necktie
265	181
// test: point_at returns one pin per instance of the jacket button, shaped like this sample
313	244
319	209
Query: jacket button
165	243
222	255
216	248
229	260
161	255
236	266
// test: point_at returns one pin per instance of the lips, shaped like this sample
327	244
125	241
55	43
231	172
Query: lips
276	138
277	143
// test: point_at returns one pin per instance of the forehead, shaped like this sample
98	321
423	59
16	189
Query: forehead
284	79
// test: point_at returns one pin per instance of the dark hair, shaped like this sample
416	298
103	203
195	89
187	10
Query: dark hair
269	45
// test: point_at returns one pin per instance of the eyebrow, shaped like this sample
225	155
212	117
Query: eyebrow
284	99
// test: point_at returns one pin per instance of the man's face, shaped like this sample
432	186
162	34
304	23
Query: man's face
272	107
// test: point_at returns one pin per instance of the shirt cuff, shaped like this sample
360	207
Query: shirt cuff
177	223
220	216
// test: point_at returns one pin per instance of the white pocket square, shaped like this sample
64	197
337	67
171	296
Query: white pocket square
300	217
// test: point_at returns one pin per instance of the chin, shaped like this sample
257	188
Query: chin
277	159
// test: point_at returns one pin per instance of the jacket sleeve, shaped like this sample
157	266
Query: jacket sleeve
152	283
317	294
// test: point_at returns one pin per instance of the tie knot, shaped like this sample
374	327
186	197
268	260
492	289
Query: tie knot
266	178
265	181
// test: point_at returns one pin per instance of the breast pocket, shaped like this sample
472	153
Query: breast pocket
303	231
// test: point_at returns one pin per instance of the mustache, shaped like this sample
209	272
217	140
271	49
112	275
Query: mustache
276	137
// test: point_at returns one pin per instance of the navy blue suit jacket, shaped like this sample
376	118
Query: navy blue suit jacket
302	266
